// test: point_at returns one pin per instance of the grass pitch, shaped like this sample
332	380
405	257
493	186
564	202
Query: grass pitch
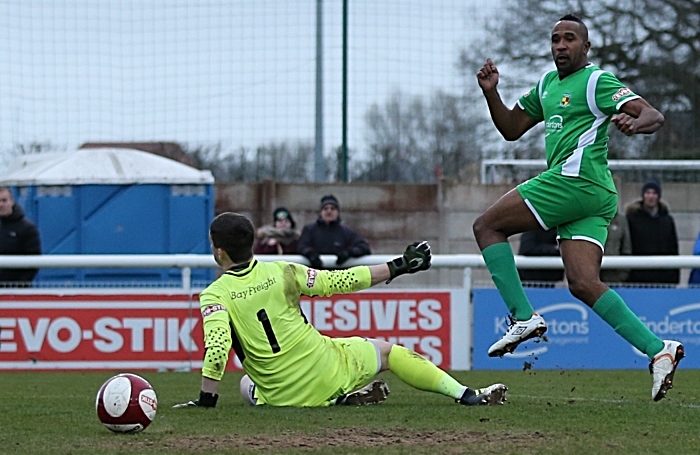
548	412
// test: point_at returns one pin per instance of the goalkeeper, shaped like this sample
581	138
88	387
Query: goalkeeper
254	309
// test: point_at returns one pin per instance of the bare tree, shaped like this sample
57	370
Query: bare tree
652	45
31	148
411	139
278	161
284	162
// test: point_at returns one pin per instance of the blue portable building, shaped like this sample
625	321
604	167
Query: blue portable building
114	201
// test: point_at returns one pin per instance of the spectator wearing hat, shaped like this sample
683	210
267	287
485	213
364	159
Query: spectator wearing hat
280	237
653	232
327	235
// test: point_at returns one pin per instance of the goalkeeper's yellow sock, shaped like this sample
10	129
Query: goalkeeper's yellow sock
418	372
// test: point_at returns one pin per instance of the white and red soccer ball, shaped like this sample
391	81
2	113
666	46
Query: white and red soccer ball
126	403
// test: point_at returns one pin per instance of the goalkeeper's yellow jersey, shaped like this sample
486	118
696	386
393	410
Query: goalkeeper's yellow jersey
254	308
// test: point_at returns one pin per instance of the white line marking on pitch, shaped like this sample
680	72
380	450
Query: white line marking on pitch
598	400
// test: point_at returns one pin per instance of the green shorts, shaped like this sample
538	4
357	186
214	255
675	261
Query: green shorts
580	210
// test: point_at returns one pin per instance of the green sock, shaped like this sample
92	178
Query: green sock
501	263
418	372
613	310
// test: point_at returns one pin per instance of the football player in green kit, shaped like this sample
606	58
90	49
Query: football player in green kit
576	101
254	308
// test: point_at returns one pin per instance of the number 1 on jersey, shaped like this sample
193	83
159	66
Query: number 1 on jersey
262	317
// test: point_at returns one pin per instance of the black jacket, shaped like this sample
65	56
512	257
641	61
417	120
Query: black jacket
18	235
652	236
540	243
334	238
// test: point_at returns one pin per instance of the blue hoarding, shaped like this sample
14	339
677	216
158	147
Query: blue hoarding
577	338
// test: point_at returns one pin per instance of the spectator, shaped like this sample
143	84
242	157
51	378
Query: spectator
618	243
328	236
695	273
653	232
281	237
18	235
540	243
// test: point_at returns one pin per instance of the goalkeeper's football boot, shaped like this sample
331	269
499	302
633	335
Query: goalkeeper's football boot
492	395
518	331
373	393
663	367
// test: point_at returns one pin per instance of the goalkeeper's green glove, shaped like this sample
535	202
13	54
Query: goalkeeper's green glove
206	400
416	257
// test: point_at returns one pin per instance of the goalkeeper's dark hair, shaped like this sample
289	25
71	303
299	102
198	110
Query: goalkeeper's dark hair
581	25
235	234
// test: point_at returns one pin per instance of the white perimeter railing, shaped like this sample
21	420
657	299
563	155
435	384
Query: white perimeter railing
487	166
187	262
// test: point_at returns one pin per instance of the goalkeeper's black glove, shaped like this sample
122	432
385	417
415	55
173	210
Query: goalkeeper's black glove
416	257
206	400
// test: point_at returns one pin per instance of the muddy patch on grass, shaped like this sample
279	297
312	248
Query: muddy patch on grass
347	437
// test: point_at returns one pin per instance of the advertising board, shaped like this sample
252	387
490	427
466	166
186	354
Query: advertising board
577	338
164	331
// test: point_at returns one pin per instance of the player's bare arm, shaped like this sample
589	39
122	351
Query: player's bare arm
379	273
511	123
638	117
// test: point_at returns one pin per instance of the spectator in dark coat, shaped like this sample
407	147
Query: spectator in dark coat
653	233
540	243
280	237
618	243
18	235
328	236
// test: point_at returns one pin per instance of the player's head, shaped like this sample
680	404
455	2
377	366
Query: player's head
570	44
283	219
330	208
233	233
651	194
7	202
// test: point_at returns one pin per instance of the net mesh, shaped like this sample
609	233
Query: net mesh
237	74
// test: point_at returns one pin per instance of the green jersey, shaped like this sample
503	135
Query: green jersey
255	309
577	112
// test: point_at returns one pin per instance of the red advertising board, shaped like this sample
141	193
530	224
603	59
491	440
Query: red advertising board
418	320
164	331
99	331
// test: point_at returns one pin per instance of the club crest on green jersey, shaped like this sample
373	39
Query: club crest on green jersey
565	100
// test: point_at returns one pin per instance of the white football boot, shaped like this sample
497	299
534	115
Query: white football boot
492	395
663	367
373	393
518	331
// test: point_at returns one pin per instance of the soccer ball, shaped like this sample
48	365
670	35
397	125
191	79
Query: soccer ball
126	403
